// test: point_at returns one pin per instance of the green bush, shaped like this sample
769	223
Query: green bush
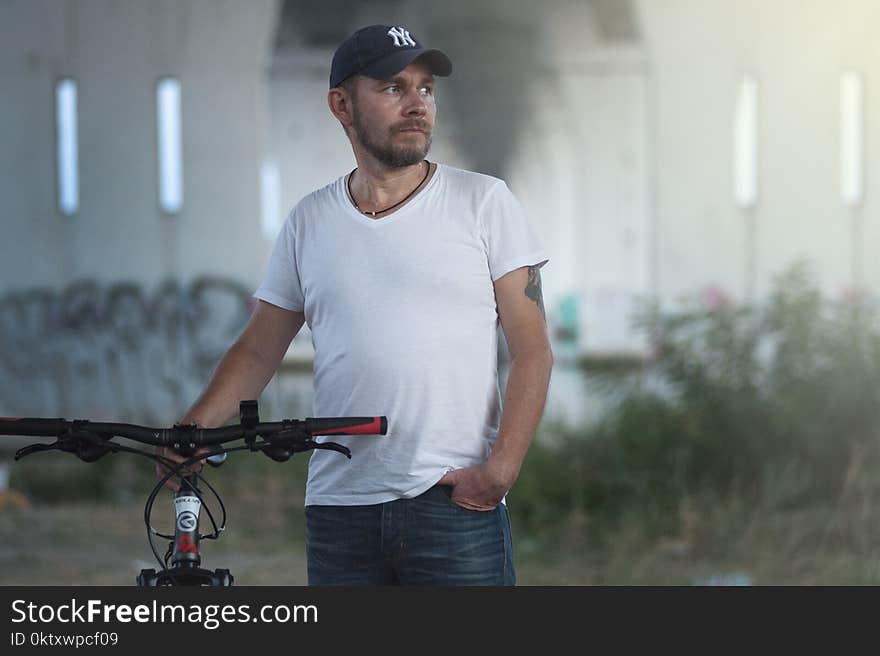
770	404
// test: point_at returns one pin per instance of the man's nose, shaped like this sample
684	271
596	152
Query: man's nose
416	104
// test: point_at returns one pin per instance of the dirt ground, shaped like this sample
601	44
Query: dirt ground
87	543
101	544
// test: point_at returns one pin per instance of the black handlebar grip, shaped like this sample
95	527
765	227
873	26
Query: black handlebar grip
347	425
32	426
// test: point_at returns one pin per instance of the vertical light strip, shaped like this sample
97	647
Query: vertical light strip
851	139
270	197
745	140
67	146
170	145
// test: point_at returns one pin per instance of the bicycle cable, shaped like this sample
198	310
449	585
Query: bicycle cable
174	468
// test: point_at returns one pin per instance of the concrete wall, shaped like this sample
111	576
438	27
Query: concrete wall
581	167
698	52
103	338
613	126
116	51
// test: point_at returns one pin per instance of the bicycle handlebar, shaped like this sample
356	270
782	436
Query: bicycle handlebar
90	440
190	435
279	440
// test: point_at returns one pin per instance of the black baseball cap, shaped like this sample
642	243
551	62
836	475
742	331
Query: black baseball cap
380	51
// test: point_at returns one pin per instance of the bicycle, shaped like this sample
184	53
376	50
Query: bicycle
280	440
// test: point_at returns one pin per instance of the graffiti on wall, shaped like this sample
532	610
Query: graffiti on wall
115	352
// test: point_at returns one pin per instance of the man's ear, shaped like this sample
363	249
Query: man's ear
339	102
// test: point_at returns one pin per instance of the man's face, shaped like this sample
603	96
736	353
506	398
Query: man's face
393	119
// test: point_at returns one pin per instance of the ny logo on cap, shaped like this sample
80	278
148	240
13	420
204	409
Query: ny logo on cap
401	37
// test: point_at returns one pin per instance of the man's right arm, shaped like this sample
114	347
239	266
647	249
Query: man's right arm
243	372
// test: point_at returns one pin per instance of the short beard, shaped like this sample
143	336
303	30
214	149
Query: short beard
387	154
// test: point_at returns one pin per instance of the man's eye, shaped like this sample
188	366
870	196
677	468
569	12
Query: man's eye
427	91
393	88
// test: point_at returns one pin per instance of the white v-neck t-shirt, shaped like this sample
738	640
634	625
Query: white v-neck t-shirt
404	324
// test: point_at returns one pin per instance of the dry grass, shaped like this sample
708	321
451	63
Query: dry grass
105	544
727	544
833	542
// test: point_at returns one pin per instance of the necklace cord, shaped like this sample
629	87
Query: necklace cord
406	198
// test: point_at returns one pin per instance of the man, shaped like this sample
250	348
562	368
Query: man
403	269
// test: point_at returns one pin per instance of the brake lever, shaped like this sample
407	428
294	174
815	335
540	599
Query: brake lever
307	443
283	452
84	446
30	449
330	446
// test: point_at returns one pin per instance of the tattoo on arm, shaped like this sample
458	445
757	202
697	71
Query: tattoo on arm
533	289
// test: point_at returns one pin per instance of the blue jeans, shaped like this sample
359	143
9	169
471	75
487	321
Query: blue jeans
427	540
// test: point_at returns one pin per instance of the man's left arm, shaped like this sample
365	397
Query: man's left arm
520	304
